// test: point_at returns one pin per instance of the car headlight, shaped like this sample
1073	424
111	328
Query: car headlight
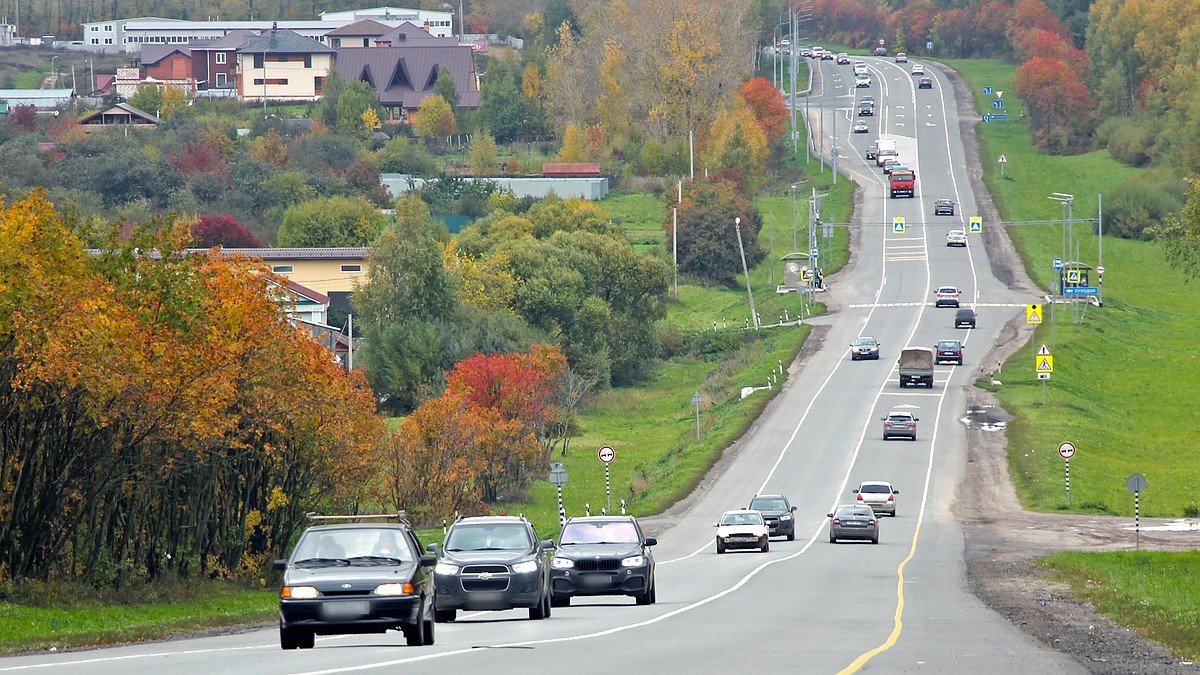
786	516
299	592
526	566
394	589
445	568
634	561
562	563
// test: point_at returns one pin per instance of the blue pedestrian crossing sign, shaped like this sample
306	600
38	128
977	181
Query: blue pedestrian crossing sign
898	225
976	226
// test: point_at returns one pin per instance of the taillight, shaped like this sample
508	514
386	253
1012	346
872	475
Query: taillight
836	521
860	498
891	498
871	521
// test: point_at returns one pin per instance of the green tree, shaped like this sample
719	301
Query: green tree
331	222
400	155
147	98
435	118
445	87
327	108
707	240
353	101
483	155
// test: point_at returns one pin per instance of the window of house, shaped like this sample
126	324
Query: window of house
351	268
95	41
108	28
283	269
220	57
222	80
308	60
108	41
258	61
318	84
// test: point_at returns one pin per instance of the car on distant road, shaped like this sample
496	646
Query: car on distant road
603	555
861	69
778	513
860	128
862	80
943	207
492	563
900	423
948	350
901	57
852	521
843	59
806	52
742	528
356	578
918	69
867	99
946	296
864	347
866	109
925	83
964	318
956	238
877	494
827	56
889	164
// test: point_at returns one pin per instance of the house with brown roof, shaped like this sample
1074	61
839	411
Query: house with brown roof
214	62
121	115
358	34
281	65
409	35
402	77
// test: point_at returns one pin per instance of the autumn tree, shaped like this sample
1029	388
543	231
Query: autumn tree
574	147
737	141
223	231
1059	104
707	240
331	222
435	117
483	155
767	106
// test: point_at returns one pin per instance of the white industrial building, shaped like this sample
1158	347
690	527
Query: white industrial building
128	35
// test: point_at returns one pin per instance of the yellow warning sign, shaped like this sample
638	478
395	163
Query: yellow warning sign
1044	364
1033	314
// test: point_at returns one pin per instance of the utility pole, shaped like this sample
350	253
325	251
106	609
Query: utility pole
737	224
792	90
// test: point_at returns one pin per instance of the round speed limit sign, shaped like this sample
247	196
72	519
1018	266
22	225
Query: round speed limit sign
1066	449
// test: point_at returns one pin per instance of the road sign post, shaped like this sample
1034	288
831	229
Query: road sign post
607	455
696	401
1136	483
558	478
1066	450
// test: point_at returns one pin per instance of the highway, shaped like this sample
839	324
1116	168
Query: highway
806	606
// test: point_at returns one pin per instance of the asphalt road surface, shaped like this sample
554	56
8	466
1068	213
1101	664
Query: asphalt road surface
808	605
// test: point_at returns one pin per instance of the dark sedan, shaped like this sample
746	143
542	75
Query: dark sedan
602	555
853	522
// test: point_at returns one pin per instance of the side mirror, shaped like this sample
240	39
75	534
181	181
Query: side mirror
854	491
279	565
428	561
652	541
793	509
432	548
716	524
547	545
882	419
916	419
828	515
895	492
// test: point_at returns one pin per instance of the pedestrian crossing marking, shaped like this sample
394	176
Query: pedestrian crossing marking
1045	364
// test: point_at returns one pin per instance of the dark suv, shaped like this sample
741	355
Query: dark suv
492	562
949	350
602	555
777	512
964	317
356	578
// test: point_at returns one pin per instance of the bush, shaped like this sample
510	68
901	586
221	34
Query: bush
1128	142
1133	206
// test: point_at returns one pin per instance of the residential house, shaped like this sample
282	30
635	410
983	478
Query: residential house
167	66
358	34
332	272
402	77
214	62
121	115
408	35
280	65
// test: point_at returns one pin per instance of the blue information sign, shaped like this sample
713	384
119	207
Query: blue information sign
988	90
1057	264
1081	290
998	104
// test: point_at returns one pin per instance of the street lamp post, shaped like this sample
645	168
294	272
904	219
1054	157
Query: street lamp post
54	69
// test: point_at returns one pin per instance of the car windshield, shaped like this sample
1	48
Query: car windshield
865	342
769	504
948	344
599	533
875	489
353	546
489	537
849	513
899	418
741	519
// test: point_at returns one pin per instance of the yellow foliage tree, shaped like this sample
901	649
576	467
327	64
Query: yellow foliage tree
613	107
483	155
574	148
173	98
435	117
735	140
370	119
485	282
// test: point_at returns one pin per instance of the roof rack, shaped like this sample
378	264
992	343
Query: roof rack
401	516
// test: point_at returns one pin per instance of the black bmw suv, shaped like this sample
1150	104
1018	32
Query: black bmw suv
356	578
491	563
602	555
778	512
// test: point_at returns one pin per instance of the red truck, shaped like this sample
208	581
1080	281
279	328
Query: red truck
903	183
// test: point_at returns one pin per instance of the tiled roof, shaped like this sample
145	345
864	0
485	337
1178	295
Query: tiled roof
364	28
232	40
153	53
412	35
284	41
405	76
132	111
357	253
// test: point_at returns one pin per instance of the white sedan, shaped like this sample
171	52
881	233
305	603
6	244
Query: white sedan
742	529
918	69
956	238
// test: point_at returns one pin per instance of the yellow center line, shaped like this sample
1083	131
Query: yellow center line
898	619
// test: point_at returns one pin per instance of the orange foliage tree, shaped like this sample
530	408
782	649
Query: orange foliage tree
766	103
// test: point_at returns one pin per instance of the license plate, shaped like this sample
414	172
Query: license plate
338	611
597	580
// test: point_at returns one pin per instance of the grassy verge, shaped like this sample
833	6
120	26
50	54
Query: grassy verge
30	628
1153	593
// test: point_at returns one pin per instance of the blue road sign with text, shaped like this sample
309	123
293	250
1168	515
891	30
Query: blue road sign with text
988	90
998	104
1081	290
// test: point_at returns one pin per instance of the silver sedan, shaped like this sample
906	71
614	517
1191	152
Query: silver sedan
850	521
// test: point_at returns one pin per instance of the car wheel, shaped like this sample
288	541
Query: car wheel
653	591
766	547
287	637
428	631
541	611
444	615
414	635
305	639
914	437
832	539
720	548
647	597
791	535
556	601
875	539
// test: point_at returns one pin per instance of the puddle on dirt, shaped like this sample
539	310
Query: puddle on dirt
985	418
